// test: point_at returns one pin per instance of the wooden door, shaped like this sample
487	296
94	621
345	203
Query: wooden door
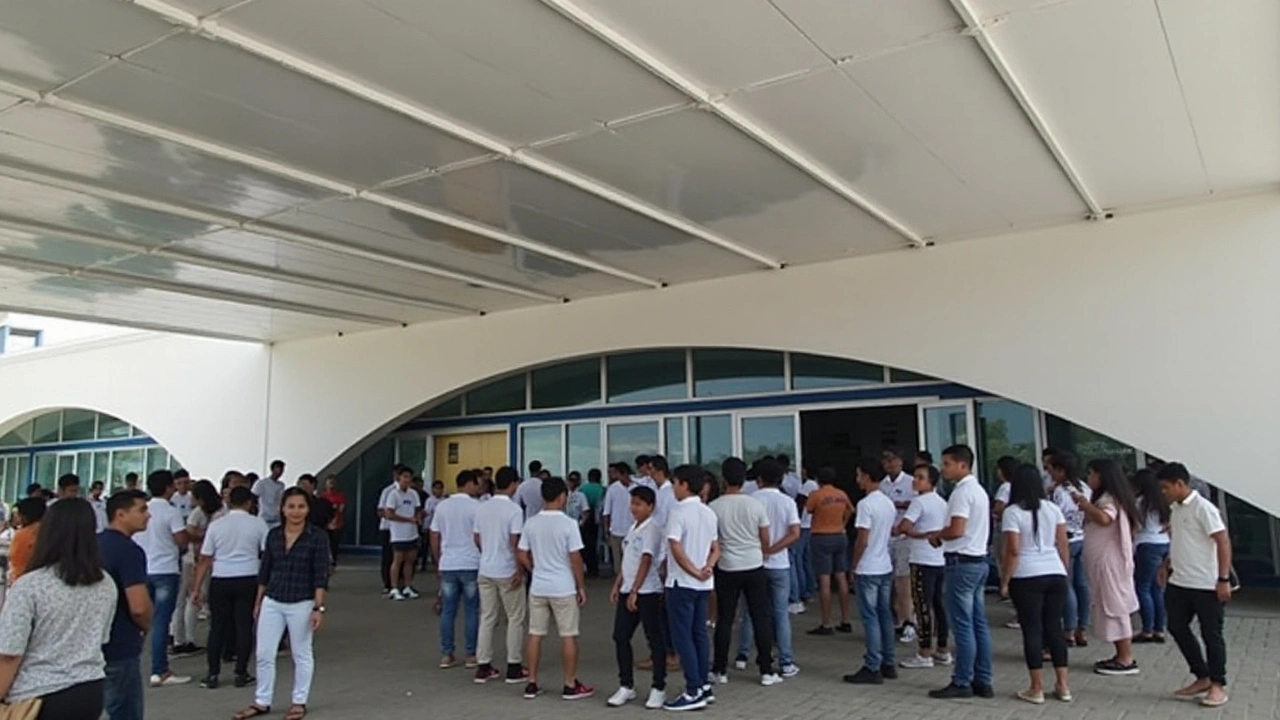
465	451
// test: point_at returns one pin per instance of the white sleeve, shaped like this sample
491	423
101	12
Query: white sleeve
914	511
959	505
1009	520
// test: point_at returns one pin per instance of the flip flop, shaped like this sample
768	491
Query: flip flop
252	711
296	712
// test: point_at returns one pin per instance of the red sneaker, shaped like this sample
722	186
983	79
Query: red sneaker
578	691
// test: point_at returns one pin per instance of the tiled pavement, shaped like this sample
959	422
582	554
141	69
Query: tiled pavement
377	659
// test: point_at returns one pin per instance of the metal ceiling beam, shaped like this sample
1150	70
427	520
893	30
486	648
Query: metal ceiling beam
979	31
718	105
262	228
212	28
131	324
199	259
231	296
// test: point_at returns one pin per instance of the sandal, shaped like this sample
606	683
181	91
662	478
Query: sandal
296	712
252	711
1082	640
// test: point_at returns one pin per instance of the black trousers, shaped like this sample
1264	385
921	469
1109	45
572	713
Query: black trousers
648	615
231	620
1039	601
754	586
590	548
335	536
385	537
1182	604
78	702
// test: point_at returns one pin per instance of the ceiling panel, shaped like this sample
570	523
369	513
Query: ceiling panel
869	149
522	201
53	249
289	257
380	228
868	27
1100	72
44	42
543	79
760	43
988	9
204	8
232	97
695	165
142	165
7	101
73	210
947	95
1228	62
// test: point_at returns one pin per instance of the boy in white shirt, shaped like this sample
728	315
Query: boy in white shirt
637	593
499	524
453	542
550	551
873	570
693	552
402	508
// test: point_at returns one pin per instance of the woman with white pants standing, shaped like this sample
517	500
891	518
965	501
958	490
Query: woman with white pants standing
292	583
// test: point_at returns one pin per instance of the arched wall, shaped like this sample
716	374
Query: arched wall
203	400
1159	329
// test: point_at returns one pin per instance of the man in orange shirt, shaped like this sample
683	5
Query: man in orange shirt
27	515
829	548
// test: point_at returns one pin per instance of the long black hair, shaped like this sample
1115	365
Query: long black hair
294	491
68	543
1026	490
1006	466
1114	483
1069	464
1147	488
207	497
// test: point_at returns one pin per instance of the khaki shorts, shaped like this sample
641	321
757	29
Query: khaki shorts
564	609
900	550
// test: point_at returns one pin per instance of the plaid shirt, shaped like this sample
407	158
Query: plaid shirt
292	576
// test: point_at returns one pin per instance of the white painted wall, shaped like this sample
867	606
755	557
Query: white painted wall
59	332
1159	329
204	400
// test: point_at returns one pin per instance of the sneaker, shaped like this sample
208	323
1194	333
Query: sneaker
186	650
657	698
169	679
1114	667
865	676
790	670
770	679
889	671
822	630
709	694
1013	625
622	697
447	662
796	608
983	690
951	691
943	658
531	691
516	675
683	702
471	663
410	593
718	679
916	662
210	682
577	691
486	673
244	681
740	662
386	591
395	595
908	633
845	628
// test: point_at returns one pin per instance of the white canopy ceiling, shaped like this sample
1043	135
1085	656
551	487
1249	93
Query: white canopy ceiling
276	169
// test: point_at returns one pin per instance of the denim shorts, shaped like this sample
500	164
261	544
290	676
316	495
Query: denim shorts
829	553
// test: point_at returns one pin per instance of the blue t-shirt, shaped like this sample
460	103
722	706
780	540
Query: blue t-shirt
126	563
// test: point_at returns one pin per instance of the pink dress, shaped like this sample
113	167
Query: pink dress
1108	562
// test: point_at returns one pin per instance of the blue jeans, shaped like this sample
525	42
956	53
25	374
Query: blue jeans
455	585
779	590
1148	557
793	574
962	589
687	617
804	565
876	609
163	590
122	691
1075	614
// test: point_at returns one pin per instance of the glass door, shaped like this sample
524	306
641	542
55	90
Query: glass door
770	435
946	423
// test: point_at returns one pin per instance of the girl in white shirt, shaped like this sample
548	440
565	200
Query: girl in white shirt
1064	469
1151	547
1034	575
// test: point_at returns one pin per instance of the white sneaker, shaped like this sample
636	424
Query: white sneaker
168	680
395	595
790	670
770	679
942	659
410	594
740	664
657	698
796	608
718	679
916	662
908	634
622	697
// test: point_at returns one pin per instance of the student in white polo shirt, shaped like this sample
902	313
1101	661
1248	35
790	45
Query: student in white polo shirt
499	524
873	571
927	514
458	565
964	545
637	593
230	555
784	531
550	550
402	508
616	510
693	552
529	494
899	487
1198	572
384	531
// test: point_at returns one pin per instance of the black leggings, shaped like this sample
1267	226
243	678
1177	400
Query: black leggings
385	537
931	613
1039	602
78	702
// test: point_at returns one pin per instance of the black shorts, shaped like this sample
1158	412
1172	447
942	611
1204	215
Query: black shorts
404	546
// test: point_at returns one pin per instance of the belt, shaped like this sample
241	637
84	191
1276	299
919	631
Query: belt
953	558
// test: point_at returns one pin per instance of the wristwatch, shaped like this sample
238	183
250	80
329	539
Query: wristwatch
318	608
1224	580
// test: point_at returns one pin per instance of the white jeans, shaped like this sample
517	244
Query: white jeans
183	625
273	619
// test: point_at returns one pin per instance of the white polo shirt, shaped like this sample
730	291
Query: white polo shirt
617	507
969	500
1193	555
529	496
666	502
693	525
183	503
404	503
927	513
383	523
642	539
455	520
808	488
899	489
791	485
1003	492
644	481
876	515
1037	551
269	492
99	514
551	537
496	521
157	540
738	521
783	515
235	541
